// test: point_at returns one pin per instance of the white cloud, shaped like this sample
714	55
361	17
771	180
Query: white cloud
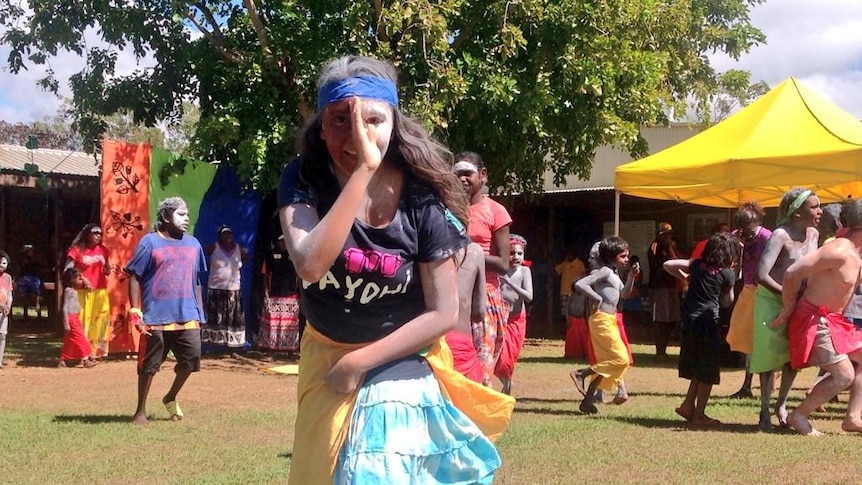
21	98
818	43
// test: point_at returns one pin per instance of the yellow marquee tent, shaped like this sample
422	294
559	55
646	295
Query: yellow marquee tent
789	137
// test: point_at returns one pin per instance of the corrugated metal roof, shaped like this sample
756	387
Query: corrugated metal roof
13	157
608	158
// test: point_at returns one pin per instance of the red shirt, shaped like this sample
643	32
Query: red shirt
697	253
91	262
487	217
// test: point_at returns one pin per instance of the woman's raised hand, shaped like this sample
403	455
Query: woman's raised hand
364	138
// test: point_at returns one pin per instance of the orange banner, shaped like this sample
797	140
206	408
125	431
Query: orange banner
125	220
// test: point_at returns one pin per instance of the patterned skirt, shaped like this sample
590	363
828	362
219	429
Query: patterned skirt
225	319
496	317
279	324
405	431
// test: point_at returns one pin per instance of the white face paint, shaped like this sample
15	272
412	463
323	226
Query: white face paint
180	219
4	263
516	254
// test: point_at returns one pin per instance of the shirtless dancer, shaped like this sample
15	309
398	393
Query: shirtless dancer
795	237
819	333
604	288
466	337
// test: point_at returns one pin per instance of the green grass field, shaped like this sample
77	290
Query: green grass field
71	426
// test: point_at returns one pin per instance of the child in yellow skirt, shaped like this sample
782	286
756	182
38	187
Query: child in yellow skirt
604	288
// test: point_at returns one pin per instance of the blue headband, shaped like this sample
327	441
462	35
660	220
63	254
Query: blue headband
361	86
795	205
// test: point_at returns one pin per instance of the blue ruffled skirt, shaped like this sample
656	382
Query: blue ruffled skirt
405	432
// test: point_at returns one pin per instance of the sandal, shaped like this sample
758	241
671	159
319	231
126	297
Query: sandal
579	382
174	410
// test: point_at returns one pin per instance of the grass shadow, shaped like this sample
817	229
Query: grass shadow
662	423
93	418
286	456
549	411
534	400
655	394
550	360
34	349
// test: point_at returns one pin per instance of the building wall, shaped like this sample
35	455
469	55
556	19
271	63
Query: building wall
46	220
553	222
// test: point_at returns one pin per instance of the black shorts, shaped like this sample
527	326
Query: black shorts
185	344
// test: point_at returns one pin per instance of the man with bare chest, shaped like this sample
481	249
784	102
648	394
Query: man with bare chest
819	333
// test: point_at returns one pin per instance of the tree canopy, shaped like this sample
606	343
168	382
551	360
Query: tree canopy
532	85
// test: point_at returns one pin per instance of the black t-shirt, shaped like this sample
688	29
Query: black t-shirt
705	286
374	286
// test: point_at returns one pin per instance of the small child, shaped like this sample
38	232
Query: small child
710	284
75	343
604	288
517	290
5	302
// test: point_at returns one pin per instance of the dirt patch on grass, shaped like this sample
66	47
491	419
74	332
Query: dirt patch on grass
30	380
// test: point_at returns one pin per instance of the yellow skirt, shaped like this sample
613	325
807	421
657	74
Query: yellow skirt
96	319
740	335
612	358
323	415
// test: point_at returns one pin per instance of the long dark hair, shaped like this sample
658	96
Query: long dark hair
411	147
81	239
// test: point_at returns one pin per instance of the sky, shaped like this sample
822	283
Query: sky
817	42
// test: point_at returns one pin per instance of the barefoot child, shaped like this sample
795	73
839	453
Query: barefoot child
819	333
517	288
604	288
710	284
75	343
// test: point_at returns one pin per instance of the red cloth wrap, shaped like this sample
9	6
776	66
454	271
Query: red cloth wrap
802	327
577	339
513	342
622	327
464	356
75	343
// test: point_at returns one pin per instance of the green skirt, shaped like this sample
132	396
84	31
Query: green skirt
770	350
